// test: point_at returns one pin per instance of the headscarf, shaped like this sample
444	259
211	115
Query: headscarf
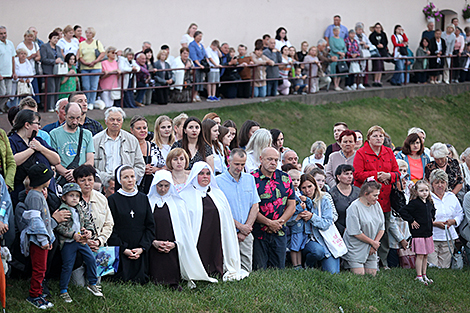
118	183
190	263
192	193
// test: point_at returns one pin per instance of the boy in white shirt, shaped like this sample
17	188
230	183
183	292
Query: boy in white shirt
213	77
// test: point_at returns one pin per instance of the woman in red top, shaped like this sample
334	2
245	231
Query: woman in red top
399	40
375	159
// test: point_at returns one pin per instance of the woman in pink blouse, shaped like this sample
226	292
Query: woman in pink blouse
110	79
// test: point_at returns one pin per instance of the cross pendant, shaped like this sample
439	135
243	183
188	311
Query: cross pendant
132	213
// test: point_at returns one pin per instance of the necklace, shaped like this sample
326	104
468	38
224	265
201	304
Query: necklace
176	181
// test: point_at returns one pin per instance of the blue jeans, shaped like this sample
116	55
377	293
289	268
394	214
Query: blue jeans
140	93
69	253
90	83
398	78
260	91
269	252
271	87
314	252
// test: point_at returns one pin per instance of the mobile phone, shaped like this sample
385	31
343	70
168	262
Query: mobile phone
34	133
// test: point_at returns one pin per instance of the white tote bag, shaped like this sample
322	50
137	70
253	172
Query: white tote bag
332	238
354	68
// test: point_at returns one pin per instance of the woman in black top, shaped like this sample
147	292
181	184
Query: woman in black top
379	39
194	144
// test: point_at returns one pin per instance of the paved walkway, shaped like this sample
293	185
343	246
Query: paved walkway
323	97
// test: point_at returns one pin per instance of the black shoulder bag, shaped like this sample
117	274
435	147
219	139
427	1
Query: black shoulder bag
397	196
61	180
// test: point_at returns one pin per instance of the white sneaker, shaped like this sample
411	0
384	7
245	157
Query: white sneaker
338	88
447	82
361	86
90	106
354	86
348	88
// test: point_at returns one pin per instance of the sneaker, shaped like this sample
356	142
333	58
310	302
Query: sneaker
217	98
428	280
45	289
95	290
66	297
210	99
298	267
348	88
354	86
198	99
91	106
48	304
421	280
338	88
38	302
361	86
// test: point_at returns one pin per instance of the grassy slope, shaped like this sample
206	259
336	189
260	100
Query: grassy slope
275	291
444	119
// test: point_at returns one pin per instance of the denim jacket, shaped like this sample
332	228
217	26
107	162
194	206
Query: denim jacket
317	223
34	227
424	159
299	226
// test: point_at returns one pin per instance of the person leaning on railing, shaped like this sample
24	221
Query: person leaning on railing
338	50
437	46
128	65
258	58
422	64
162	78
51	54
399	40
34	57
457	53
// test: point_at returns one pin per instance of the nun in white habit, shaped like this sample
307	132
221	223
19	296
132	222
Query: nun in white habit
173	254
213	228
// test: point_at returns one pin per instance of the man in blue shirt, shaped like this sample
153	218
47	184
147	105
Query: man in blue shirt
60	111
242	195
343	30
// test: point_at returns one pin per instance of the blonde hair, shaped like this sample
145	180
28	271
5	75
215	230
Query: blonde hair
373	129
109	49
68	28
180	119
402	163
91	30
159	54
176	153
18	51
157	137
29	32
261	139
318	145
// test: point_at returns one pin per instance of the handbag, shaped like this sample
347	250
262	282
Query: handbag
403	51
407	258
107	260
206	65
354	68
332	238
61	69
457	257
116	92
365	53
97	51
342	67
374	52
397	197
23	88
61	180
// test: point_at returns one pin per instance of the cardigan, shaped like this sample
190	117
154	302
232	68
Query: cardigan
48	57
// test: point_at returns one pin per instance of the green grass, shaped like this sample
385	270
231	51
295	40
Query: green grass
444	119
273	291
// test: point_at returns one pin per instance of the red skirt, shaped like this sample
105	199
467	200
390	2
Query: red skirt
422	245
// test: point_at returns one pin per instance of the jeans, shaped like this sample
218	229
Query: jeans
140	93
269	252
260	92
69	253
129	101
90	83
271	87
314	252
398	78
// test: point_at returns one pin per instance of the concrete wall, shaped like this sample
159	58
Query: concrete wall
129	23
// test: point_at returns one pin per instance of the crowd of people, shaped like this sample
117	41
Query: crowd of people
193	200
276	65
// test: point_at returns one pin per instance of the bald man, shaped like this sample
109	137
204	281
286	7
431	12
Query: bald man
276	207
